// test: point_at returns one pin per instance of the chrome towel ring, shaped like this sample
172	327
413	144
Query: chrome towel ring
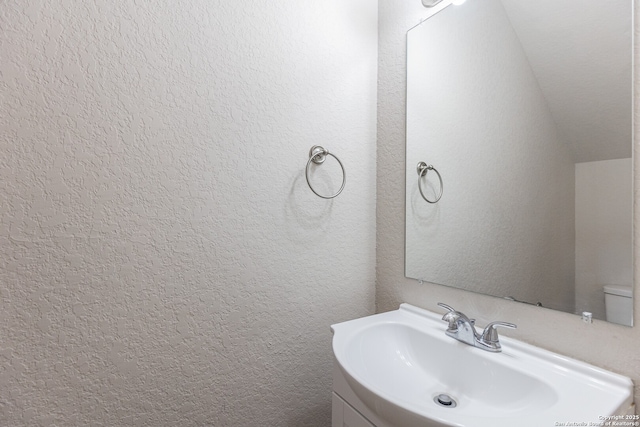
318	155
423	170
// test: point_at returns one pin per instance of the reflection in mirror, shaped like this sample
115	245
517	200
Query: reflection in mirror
525	109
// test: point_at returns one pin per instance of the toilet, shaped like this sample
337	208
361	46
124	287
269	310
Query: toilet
618	304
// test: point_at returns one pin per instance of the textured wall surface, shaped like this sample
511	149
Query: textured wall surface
607	345
493	141
574	85
162	260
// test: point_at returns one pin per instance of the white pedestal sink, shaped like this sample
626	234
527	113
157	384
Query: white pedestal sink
398	363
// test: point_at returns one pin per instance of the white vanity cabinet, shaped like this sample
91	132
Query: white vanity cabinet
343	415
347	409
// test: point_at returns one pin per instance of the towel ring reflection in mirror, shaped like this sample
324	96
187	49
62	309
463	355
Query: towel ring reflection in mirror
318	155
423	170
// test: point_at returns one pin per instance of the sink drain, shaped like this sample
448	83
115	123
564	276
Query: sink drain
445	400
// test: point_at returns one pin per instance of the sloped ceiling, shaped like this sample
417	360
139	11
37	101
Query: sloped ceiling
581	53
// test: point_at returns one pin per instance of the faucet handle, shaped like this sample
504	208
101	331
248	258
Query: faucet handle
443	305
453	315
490	334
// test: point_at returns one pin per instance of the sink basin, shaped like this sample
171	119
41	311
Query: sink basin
398	363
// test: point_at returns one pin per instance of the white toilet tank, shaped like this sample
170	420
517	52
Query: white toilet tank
618	304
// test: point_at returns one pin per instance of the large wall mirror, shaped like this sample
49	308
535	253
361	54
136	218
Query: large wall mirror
525	110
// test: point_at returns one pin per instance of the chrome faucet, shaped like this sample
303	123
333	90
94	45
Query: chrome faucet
463	329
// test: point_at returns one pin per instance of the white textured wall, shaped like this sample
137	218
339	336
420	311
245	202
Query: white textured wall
603	231
505	223
574	85
162	261
607	345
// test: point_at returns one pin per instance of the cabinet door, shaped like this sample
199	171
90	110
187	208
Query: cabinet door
345	416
